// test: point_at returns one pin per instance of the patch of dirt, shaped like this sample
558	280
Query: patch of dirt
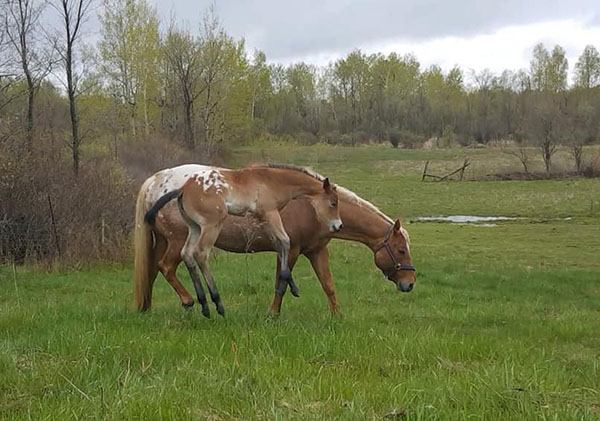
540	175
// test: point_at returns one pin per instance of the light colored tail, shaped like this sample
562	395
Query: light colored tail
143	245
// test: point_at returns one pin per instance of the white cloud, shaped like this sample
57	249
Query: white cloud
507	48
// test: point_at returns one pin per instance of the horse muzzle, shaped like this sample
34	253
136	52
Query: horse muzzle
405	287
336	226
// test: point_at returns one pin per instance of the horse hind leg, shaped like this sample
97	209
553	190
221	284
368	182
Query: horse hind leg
204	219
168	267
281	241
188	257
278	298
208	238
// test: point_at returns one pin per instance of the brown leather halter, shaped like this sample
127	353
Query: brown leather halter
386	245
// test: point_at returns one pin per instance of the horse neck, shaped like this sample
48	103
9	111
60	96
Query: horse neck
362	224
294	184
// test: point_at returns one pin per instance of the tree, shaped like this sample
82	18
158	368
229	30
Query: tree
223	67
539	67
351	80
558	67
181	52
587	68
22	26
549	71
129	48
546	123
73	14
260	82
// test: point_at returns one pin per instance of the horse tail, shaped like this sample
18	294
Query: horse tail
143	245
150	216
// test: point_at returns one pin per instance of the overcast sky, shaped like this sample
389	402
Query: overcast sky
494	34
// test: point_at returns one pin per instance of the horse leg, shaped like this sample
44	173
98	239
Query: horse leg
168	267
281	241
208	238
160	247
277	299
187	255
319	259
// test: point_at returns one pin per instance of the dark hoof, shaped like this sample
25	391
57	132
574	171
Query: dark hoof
220	309
293	288
188	306
206	312
271	315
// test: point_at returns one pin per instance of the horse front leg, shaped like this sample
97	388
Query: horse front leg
281	243
319	260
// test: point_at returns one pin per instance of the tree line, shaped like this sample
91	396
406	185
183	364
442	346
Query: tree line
205	90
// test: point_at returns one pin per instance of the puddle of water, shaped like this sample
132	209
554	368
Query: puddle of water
462	219
480	221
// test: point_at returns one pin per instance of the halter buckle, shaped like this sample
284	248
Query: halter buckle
386	245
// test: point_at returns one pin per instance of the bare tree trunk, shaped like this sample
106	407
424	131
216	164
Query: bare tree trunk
577	152
188	122
548	149
30	111
146	123
73	13
75	140
132	119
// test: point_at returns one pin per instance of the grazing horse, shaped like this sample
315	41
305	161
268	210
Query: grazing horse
363	223
210	194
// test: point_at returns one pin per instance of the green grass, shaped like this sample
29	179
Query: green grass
503	323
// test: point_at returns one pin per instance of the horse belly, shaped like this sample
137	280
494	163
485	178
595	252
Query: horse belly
239	206
243	234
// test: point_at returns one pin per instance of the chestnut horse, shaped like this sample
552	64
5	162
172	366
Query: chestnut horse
210	194
363	223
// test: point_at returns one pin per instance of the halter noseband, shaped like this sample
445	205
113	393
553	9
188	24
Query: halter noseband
386	245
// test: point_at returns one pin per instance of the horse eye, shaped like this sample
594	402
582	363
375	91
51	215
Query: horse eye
402	251
333	204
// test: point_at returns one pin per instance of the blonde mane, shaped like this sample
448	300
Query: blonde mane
303	170
354	198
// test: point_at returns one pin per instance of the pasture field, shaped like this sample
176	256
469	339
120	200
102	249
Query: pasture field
503	323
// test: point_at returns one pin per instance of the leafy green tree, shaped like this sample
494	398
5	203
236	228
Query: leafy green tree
129	48
549	71
587	68
349	90
558	67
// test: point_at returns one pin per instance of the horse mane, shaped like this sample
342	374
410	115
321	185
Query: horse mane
353	197
356	199
303	170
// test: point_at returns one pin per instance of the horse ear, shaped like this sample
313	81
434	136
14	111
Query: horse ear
397	225
326	184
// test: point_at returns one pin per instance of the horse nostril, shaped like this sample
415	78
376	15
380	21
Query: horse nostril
410	287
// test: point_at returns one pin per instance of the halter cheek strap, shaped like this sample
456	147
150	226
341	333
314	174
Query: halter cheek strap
386	246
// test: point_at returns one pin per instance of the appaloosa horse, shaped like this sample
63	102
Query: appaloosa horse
210	194
363	222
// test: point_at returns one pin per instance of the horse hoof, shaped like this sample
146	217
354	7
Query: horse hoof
220	309
206	312
293	288
188	306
